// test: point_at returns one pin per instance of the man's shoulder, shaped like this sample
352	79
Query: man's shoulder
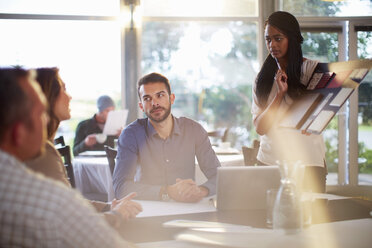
136	127
45	205
185	122
86	121
184	119
30	185
137	124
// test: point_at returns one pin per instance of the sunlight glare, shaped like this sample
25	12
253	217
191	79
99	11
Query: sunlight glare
356	8
197	7
222	42
124	18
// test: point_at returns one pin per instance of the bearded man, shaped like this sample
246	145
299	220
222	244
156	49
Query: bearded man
156	155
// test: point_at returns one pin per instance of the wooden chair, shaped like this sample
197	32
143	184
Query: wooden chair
111	155
66	155
220	133
59	141
250	153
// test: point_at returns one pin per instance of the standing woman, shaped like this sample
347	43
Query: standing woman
282	78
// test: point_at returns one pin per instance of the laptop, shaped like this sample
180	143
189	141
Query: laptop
244	187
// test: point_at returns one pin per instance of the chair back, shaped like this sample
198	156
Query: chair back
111	155
66	156
220	133
250	153
59	141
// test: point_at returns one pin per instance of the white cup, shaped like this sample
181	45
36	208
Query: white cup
225	145
101	138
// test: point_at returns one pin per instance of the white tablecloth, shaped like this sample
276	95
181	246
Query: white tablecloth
225	160
92	174
340	234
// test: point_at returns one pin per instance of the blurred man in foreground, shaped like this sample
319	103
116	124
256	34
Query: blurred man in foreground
35	211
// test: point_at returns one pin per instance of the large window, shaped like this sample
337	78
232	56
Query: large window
87	53
365	109
210	50
211	66
210	55
65	7
341	136
327	7
200	8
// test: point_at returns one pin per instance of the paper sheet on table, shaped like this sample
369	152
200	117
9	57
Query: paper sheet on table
116	120
195	224
328	196
161	208
167	244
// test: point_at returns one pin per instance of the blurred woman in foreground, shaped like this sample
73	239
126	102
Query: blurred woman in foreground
50	163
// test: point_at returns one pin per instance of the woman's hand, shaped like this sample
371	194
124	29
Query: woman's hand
265	120
281	82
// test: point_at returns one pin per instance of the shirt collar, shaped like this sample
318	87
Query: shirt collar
150	128
4	156
176	127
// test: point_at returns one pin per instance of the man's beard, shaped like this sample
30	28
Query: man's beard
161	118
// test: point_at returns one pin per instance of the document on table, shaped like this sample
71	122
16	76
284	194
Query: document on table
162	208
116	120
326	196
195	224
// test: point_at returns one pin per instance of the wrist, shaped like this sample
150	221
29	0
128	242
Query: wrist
204	191
164	196
106	208
280	95
118	218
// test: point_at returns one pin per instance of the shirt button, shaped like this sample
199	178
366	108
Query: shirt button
167	160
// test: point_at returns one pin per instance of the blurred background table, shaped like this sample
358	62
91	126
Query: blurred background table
93	177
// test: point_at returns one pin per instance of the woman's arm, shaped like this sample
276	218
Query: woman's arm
265	120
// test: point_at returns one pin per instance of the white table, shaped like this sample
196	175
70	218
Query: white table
225	160
341	234
242	229
92	174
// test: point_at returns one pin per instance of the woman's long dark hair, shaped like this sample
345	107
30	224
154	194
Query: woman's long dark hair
49	80
288	25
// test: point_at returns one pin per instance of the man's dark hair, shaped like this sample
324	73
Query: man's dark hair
15	105
153	78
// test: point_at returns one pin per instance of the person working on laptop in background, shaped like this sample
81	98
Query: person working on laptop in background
156	155
282	78
85	136
36	211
